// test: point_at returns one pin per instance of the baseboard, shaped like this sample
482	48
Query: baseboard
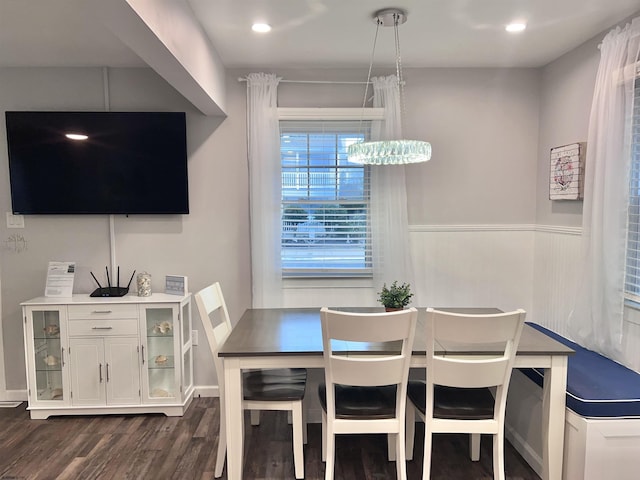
524	449
199	391
14	396
206	391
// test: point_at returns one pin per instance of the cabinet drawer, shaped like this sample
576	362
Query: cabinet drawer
103	311
102	327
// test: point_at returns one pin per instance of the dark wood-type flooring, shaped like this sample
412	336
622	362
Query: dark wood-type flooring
159	447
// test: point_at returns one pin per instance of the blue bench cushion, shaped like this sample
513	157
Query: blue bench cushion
596	385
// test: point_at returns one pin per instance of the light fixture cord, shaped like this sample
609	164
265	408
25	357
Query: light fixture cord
396	20
366	87
373	51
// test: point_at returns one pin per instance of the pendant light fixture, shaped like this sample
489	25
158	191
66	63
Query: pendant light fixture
390	152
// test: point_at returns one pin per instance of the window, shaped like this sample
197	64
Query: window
632	278
325	200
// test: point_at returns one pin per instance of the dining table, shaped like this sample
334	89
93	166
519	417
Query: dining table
292	338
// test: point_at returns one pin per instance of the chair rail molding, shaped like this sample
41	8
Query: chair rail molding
497	228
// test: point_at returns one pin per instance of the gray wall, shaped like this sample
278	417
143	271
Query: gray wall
483	127
565	104
211	243
491	131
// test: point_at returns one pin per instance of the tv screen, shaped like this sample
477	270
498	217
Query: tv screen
114	162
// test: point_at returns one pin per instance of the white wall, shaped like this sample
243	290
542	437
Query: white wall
474	266
211	243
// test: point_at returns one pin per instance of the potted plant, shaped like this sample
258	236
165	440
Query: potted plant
395	297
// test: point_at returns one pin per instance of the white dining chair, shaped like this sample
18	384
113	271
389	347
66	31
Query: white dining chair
364	390
263	389
465	394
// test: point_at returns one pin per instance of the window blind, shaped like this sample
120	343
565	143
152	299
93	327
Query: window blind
632	277
325	199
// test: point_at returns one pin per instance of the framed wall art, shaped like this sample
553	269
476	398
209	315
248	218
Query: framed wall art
566	173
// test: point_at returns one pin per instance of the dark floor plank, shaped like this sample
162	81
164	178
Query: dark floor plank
140	447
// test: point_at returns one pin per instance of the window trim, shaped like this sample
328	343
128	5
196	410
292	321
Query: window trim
328	114
631	299
348	113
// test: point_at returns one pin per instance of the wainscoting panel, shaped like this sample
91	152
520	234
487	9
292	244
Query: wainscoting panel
556	267
534	267
631	338
474	266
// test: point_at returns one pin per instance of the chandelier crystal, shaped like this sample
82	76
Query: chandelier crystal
390	152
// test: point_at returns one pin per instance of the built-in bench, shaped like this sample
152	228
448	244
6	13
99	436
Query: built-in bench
602	429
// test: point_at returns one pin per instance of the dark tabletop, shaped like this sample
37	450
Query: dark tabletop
283	331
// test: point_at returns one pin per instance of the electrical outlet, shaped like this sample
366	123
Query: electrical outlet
194	337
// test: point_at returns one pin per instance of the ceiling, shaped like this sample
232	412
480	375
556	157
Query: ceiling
322	33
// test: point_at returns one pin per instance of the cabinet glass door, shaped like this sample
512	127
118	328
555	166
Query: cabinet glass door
162	332
48	355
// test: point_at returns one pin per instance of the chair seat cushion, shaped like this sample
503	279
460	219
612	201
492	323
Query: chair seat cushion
286	384
449	402
597	387
365	403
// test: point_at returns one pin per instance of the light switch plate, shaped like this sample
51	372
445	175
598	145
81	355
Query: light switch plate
15	221
194	337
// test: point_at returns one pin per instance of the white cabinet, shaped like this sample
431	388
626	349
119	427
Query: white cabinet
108	355
122	375
104	371
104	354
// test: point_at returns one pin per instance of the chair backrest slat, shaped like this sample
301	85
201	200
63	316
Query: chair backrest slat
349	328
487	329
470	374
366	369
497	334
212	307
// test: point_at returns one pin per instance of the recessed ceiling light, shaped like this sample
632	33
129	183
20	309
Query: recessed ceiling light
516	27
261	27
76	136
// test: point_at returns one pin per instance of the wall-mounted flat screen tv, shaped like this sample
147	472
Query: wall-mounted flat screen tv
98	162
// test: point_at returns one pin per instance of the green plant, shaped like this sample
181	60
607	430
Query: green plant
395	296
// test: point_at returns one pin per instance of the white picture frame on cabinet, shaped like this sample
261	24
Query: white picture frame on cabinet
176	285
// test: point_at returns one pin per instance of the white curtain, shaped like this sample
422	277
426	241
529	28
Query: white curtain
596	321
264	176
389	222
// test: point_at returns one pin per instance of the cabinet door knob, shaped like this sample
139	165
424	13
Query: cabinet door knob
102	311
100	371
101	328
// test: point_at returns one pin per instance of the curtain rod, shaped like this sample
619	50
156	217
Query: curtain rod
244	79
